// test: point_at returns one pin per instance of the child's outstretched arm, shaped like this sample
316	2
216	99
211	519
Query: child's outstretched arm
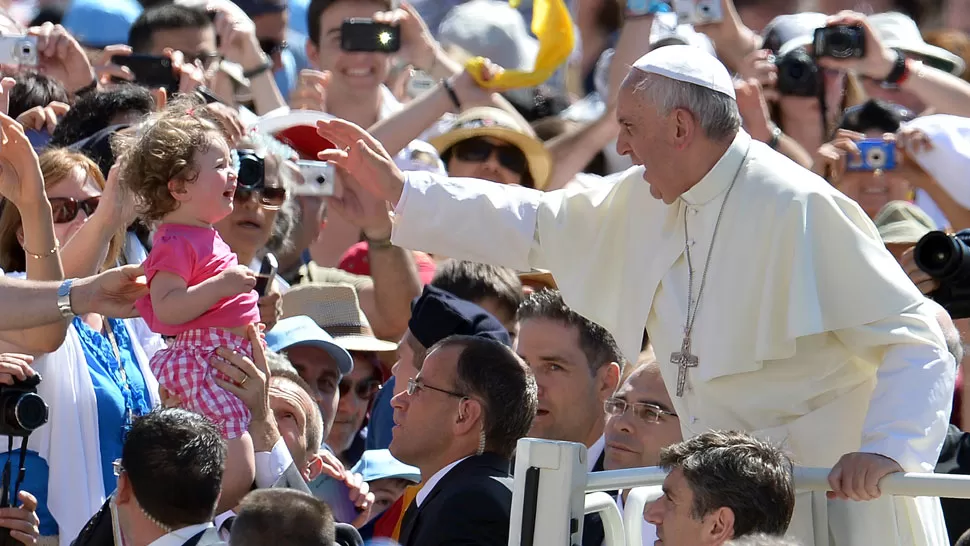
174	302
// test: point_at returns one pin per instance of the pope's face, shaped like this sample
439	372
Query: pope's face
643	137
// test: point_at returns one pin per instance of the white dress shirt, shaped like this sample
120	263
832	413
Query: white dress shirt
270	465
594	452
433	481
180	536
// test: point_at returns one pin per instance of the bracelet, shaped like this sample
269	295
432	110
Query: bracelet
266	66
451	93
87	88
47	254
775	137
376	244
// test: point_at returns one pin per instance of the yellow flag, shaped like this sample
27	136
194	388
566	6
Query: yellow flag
553	26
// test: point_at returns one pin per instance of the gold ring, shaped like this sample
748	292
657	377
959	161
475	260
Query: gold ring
243	382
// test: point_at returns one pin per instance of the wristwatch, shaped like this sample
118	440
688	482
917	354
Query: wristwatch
642	8
64	299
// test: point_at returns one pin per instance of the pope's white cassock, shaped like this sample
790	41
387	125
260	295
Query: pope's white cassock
809	333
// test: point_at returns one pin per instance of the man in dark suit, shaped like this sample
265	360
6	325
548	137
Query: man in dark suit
577	365
459	421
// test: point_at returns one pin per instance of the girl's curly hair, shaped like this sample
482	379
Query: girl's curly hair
163	149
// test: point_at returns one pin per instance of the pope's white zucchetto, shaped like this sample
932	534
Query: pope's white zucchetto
688	64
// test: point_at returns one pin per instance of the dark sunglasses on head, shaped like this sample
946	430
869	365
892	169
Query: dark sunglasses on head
272	47
270	198
365	390
66	208
478	149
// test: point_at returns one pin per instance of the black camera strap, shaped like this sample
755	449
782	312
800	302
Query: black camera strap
5	502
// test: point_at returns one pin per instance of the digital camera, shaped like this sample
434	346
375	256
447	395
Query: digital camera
365	34
22	410
798	74
698	12
840	42
18	50
946	258
874	155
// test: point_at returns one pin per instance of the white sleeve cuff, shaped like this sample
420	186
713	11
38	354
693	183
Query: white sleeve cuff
271	465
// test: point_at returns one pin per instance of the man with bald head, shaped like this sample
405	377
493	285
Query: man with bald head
769	298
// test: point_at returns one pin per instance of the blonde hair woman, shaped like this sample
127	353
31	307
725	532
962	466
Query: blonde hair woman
98	380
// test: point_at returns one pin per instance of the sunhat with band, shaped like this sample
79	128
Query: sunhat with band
492	122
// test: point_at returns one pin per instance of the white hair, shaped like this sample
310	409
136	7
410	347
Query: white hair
716	112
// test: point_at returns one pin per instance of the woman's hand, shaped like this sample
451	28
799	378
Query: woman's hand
20	178
831	159
271	305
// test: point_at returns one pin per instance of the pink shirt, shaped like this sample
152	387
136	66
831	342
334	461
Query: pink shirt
195	254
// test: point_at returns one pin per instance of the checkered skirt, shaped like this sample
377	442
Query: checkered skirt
184	370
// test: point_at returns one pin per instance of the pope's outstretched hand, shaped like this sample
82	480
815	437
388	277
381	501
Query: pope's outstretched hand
363	156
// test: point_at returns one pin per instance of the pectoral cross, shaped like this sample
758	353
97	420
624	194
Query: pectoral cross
684	360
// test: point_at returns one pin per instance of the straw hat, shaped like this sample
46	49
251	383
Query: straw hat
336	309
486	121
900	222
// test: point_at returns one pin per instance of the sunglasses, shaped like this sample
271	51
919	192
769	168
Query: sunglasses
365	390
478	150
270	198
66	208
272	47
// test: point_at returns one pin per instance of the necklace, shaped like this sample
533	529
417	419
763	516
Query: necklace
684	359
126	393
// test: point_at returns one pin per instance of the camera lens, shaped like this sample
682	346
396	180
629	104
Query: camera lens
30	411
875	158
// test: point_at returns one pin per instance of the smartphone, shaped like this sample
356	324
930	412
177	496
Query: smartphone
18	50
874	154
336	494
364	34
207	95
266	273
152	71
318	178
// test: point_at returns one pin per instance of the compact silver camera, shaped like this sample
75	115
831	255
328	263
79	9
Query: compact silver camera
18	50
698	12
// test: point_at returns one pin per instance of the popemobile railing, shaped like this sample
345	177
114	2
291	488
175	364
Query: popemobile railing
553	491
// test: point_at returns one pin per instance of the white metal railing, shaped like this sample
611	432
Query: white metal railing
556	473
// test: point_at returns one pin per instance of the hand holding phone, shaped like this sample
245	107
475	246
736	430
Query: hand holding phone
151	71
267	272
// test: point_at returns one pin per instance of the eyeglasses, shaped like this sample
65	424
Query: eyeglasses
65	209
651	413
415	385
272	47
478	150
365	390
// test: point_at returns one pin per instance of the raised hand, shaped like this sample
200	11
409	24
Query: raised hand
20	178
364	157
61	57
311	91
112	293
366	211
418	46
878	60
106	69
43	118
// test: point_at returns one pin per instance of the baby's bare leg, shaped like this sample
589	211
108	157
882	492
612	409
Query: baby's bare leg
240	472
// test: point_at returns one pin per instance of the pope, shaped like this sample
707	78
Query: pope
775	306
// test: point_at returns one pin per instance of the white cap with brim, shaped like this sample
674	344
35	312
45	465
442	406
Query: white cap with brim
900	31
302	330
688	64
948	161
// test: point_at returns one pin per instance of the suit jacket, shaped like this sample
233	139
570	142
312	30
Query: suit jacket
955	459
593	533
471	505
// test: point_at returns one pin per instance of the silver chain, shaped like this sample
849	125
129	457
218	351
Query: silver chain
689	326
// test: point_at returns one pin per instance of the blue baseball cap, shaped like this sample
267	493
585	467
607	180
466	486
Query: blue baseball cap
97	24
378	464
302	330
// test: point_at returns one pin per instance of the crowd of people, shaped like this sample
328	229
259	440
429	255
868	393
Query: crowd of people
304	272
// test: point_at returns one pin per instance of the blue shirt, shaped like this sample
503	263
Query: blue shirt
111	394
379	429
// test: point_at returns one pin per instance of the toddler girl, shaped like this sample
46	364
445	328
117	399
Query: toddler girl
180	169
